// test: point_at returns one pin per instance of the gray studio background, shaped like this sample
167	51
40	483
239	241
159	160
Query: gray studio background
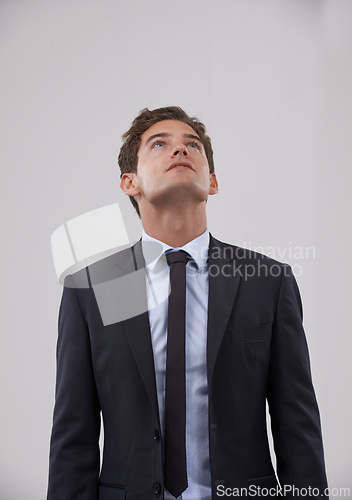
271	80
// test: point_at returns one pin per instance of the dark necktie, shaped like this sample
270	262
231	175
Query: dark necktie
175	393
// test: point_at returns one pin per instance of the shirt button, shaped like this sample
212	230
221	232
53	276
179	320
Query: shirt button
156	434
157	488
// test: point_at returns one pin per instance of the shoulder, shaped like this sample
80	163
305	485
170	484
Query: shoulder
254	267
257	272
111	267
228	251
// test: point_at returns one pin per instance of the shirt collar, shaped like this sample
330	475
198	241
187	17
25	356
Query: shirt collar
197	249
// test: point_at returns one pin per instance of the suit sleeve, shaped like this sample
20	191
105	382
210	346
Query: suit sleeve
74	449
293	407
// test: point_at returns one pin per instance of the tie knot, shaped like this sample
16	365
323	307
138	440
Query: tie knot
179	256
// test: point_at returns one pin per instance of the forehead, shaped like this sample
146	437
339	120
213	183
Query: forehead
172	127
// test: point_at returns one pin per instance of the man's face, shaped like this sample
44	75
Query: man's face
172	165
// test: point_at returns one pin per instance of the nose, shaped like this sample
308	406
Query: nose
179	149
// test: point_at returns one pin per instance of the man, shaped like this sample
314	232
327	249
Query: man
182	384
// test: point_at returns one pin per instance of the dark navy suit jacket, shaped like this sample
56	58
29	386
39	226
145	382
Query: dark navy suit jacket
256	352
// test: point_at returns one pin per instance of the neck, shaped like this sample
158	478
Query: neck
175	226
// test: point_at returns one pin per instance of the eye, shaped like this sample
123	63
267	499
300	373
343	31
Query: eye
157	144
194	145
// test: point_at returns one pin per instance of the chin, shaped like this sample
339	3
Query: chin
177	194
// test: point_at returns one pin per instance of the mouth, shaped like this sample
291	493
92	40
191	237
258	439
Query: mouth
180	164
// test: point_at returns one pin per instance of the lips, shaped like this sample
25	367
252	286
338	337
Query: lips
176	164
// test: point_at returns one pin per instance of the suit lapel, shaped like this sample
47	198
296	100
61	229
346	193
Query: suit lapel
138	333
223	286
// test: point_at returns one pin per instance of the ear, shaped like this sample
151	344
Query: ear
213	188
128	184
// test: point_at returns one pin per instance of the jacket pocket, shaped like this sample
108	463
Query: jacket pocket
109	491
252	333
267	483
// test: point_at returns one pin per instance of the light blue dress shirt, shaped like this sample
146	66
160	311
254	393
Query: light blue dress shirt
197	291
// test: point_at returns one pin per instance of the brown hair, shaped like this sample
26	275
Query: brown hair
128	158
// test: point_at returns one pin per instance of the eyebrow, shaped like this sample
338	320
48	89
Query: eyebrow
165	134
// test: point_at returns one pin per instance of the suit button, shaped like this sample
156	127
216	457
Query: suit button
157	488
156	434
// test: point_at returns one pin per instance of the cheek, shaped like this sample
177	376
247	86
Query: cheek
147	178
204	167
200	158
